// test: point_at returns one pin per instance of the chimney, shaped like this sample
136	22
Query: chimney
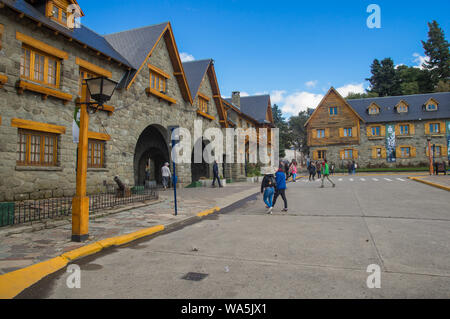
236	99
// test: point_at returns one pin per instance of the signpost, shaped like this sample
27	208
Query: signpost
175	140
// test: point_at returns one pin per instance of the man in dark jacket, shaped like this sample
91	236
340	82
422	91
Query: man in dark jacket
280	179
216	175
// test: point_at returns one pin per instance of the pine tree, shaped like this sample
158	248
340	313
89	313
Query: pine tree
385	80
437	49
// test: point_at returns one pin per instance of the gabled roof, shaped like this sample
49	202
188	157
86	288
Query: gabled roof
416	111
333	90
256	107
137	46
82	35
195	72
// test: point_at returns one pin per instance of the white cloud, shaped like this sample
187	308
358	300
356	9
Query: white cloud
300	101
186	57
277	96
311	84
351	88
420	60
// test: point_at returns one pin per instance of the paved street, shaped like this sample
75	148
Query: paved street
320	249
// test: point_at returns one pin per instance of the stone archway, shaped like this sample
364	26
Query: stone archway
151	148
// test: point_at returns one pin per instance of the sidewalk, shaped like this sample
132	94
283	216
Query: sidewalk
440	181
24	249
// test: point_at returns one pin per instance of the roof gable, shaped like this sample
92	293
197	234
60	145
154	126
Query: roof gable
137	46
257	107
332	90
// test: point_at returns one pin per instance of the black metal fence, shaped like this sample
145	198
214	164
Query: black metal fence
53	208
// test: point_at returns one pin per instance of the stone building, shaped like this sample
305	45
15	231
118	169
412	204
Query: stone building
42	64
380	132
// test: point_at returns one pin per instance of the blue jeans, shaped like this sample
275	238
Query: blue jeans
268	196
294	177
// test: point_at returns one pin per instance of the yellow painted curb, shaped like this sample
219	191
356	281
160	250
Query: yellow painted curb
208	212
82	251
446	188
15	282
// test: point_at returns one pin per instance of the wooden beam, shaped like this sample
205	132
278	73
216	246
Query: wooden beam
38	126
209	117
160	95
159	71
203	96
3	80
22	85
99	136
41	46
93	68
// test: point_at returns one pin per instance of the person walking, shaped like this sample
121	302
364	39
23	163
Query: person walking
326	174
319	170
286	169
350	168
216	175
280	180
312	171
268	189
294	171
166	174
354	166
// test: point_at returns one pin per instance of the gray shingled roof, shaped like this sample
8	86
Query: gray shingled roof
416	108
83	34
255	106
136	44
195	72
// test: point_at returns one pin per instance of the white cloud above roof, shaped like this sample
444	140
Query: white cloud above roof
186	57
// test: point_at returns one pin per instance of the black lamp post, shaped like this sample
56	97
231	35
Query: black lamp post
101	90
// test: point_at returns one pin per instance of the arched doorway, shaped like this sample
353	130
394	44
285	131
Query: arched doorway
199	170
151	149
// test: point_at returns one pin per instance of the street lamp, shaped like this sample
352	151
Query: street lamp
430	155
100	89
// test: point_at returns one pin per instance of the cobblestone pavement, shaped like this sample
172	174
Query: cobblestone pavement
24	249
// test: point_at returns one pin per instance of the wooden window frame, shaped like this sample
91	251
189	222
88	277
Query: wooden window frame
32	76
432	110
320	130
433	124
61	10
203	104
321	152
372	128
92	143
347	130
408	126
333	111
373	110
42	148
346	152
405	148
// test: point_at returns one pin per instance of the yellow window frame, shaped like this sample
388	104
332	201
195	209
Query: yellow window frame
32	76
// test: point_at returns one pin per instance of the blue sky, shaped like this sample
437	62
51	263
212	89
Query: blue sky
294	50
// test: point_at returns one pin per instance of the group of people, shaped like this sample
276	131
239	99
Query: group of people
315	168
290	169
274	185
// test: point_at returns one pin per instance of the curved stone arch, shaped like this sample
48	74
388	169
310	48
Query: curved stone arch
151	146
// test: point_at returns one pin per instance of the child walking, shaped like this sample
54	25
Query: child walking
268	189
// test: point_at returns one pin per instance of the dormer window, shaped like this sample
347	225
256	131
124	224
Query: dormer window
402	107
58	14
373	109
431	105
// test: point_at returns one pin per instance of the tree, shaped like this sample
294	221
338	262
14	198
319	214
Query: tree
354	96
298	130
414	80
384	80
437	49
282	125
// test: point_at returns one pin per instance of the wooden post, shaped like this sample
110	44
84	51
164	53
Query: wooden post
430	157
80	203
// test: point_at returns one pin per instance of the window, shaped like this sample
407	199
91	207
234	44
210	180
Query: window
321	155
404	129
348	154
158	82
320	133
431	107
373	110
437	151
37	148
402	109
333	110
202	105
96	151
379	152
59	14
39	67
435	128
348	132
405	152
376	131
